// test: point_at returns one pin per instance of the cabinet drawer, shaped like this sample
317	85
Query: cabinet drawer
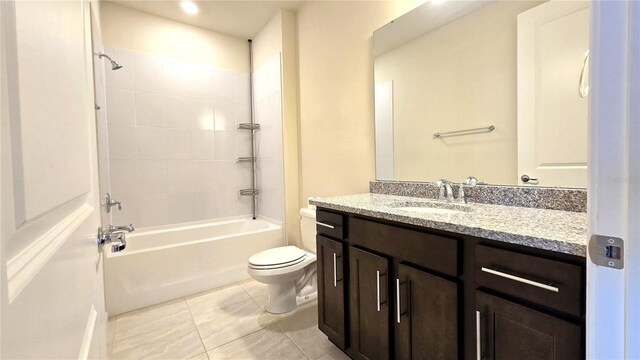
550	283
329	224
430	251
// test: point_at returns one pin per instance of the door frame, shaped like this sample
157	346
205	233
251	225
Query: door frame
613	296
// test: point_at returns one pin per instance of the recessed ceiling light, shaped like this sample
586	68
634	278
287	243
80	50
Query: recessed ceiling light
189	7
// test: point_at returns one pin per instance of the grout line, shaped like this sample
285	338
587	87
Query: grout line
193	320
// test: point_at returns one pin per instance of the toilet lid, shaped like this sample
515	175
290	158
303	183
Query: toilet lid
283	255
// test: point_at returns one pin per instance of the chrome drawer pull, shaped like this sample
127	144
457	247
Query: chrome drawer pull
378	289
325	225
398	299
335	278
522	280
478	336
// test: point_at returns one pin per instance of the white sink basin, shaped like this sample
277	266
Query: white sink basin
430	210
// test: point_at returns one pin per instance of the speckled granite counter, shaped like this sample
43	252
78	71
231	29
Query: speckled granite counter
554	230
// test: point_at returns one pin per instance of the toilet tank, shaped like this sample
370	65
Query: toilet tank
308	228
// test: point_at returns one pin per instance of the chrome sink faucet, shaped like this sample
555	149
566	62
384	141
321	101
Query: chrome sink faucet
445	190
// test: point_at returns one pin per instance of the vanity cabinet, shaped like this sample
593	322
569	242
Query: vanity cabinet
426	316
331	289
369	305
508	331
397	291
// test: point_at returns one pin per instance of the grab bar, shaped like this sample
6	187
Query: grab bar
489	128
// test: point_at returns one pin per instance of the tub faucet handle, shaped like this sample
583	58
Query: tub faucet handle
127	228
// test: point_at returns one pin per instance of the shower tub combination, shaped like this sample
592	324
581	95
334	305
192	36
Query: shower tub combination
165	263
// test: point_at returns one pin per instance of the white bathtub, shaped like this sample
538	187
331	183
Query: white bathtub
161	264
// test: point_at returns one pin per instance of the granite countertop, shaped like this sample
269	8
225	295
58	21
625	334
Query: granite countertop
555	230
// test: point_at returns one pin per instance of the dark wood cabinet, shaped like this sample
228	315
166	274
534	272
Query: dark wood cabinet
426	316
510	331
331	290
396	291
369	305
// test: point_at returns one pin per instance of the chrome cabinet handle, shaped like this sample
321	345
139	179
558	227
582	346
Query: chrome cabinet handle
398	299
478	336
520	279
335	277
378	289
325	225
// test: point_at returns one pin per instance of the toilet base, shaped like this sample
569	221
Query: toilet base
281	298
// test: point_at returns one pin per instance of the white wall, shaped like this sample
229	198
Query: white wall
173	142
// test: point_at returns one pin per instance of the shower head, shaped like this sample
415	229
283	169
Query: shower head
114	65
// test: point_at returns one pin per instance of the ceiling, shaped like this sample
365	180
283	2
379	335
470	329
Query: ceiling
236	18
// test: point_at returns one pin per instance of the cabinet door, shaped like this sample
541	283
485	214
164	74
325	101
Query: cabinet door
509	331
369	310
331	299
426	315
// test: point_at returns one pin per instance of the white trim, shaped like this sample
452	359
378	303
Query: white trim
88	334
27	263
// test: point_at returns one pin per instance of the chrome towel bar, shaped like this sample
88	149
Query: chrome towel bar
484	129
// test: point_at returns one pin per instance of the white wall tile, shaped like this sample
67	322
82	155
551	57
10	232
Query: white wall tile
122	142
243	143
152	176
151	143
203	142
205	205
130	213
225	115
225	145
124	176
186	80
205	175
180	175
179	144
229	204
123	77
222	86
148	74
188	113
121	107
242	95
153	210
232	175
180	207
149	109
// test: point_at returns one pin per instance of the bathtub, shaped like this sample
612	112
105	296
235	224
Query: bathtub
165	263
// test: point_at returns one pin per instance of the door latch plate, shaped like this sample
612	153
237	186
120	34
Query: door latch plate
607	251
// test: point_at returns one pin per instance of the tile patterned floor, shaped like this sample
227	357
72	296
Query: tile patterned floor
225	323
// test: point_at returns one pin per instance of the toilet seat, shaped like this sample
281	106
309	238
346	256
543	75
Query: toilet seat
276	258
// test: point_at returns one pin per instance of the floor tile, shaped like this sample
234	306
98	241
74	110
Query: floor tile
162	331
335	354
111	332
230	322
302	328
216	299
179	342
266	344
302	308
255	288
202	356
154	318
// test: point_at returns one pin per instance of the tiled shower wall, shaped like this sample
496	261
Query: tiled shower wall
268	113
173	141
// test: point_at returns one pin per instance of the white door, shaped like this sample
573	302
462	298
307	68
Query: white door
553	39
613	295
51	281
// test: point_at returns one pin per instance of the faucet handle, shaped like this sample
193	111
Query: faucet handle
127	228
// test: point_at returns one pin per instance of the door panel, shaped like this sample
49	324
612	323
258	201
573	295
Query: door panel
553	39
369	308
511	331
52	305
428	325
331	304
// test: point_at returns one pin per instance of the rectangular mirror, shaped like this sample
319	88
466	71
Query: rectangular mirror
493	89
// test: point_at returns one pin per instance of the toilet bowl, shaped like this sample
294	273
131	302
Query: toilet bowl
289	272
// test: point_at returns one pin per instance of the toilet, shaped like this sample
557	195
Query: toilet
289	272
